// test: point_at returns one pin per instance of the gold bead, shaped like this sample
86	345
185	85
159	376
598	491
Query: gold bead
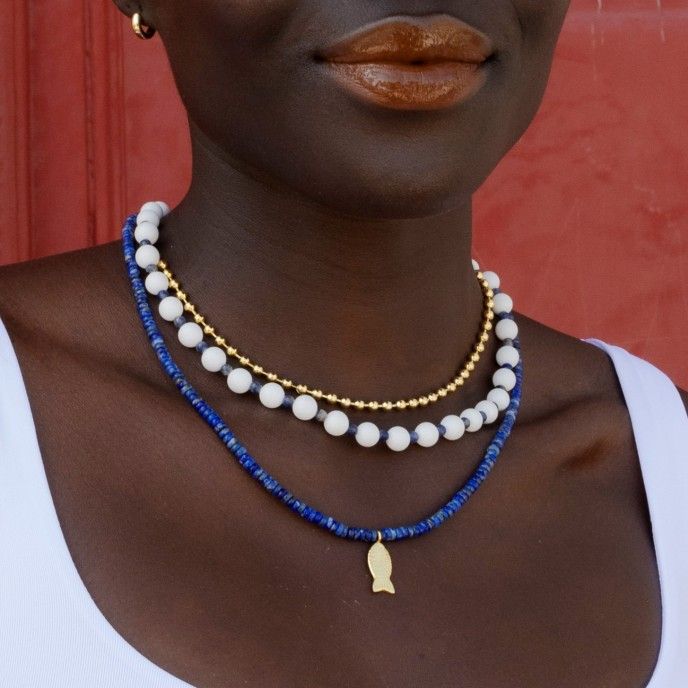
359	404
317	394
465	374
162	263
490	303
387	405
475	357
243	360
470	366
403	404
451	387
413	403
484	337
480	347
198	318
258	370
432	397
331	398
488	326
423	401
174	284
346	403
301	389
373	405
442	392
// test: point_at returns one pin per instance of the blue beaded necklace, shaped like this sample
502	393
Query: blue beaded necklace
379	561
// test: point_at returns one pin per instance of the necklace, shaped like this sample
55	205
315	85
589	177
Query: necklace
378	559
221	342
305	406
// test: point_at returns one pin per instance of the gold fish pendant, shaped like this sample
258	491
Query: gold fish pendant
380	565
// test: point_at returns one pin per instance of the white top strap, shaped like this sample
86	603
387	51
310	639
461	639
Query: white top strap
660	427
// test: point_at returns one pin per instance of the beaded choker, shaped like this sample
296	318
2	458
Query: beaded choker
378	559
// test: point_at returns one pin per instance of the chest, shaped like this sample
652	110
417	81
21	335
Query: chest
546	578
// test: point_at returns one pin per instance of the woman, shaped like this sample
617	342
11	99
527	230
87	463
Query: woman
327	230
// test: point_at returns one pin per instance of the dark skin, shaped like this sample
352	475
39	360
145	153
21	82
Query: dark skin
324	237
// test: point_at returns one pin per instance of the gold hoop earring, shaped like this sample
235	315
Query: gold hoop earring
141	29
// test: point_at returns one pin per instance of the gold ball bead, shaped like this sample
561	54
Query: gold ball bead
221	341
272	377
413	403
317	394
475	357
359	404
452	386
346	403
423	401
373	405
403	404
258	370
470	366
388	406
488	326
301	389
331	398
442	392
465	374
243	360
490	303
484	337
432	397
490	315
480	347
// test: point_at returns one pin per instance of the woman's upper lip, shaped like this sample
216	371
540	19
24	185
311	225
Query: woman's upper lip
429	38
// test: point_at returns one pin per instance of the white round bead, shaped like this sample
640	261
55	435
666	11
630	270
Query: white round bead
146	230
507	355
164	206
304	407
455	427
148	216
428	434
190	334
336	423
500	397
398	438
475	420
152	206
170	308
475	265
503	377
489	408
239	380
503	303
271	395
506	329
492	279
146	255
155	282
213	358
367	434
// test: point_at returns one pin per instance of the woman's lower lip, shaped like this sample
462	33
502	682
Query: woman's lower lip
405	86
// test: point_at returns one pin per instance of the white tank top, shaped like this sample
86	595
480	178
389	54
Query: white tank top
52	634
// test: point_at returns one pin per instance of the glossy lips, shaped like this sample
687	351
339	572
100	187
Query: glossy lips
411	63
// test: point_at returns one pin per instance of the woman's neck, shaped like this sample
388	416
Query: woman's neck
365	307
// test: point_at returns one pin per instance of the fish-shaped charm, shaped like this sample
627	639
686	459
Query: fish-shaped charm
380	565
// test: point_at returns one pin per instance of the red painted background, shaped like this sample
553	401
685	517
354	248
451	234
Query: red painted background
586	219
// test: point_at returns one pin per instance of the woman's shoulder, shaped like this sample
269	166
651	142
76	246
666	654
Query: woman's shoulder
76	303
565	370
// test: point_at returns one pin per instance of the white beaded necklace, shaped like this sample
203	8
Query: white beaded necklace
305	407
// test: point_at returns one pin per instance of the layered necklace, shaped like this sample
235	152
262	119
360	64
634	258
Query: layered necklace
151	276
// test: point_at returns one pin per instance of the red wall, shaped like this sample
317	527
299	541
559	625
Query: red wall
586	219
